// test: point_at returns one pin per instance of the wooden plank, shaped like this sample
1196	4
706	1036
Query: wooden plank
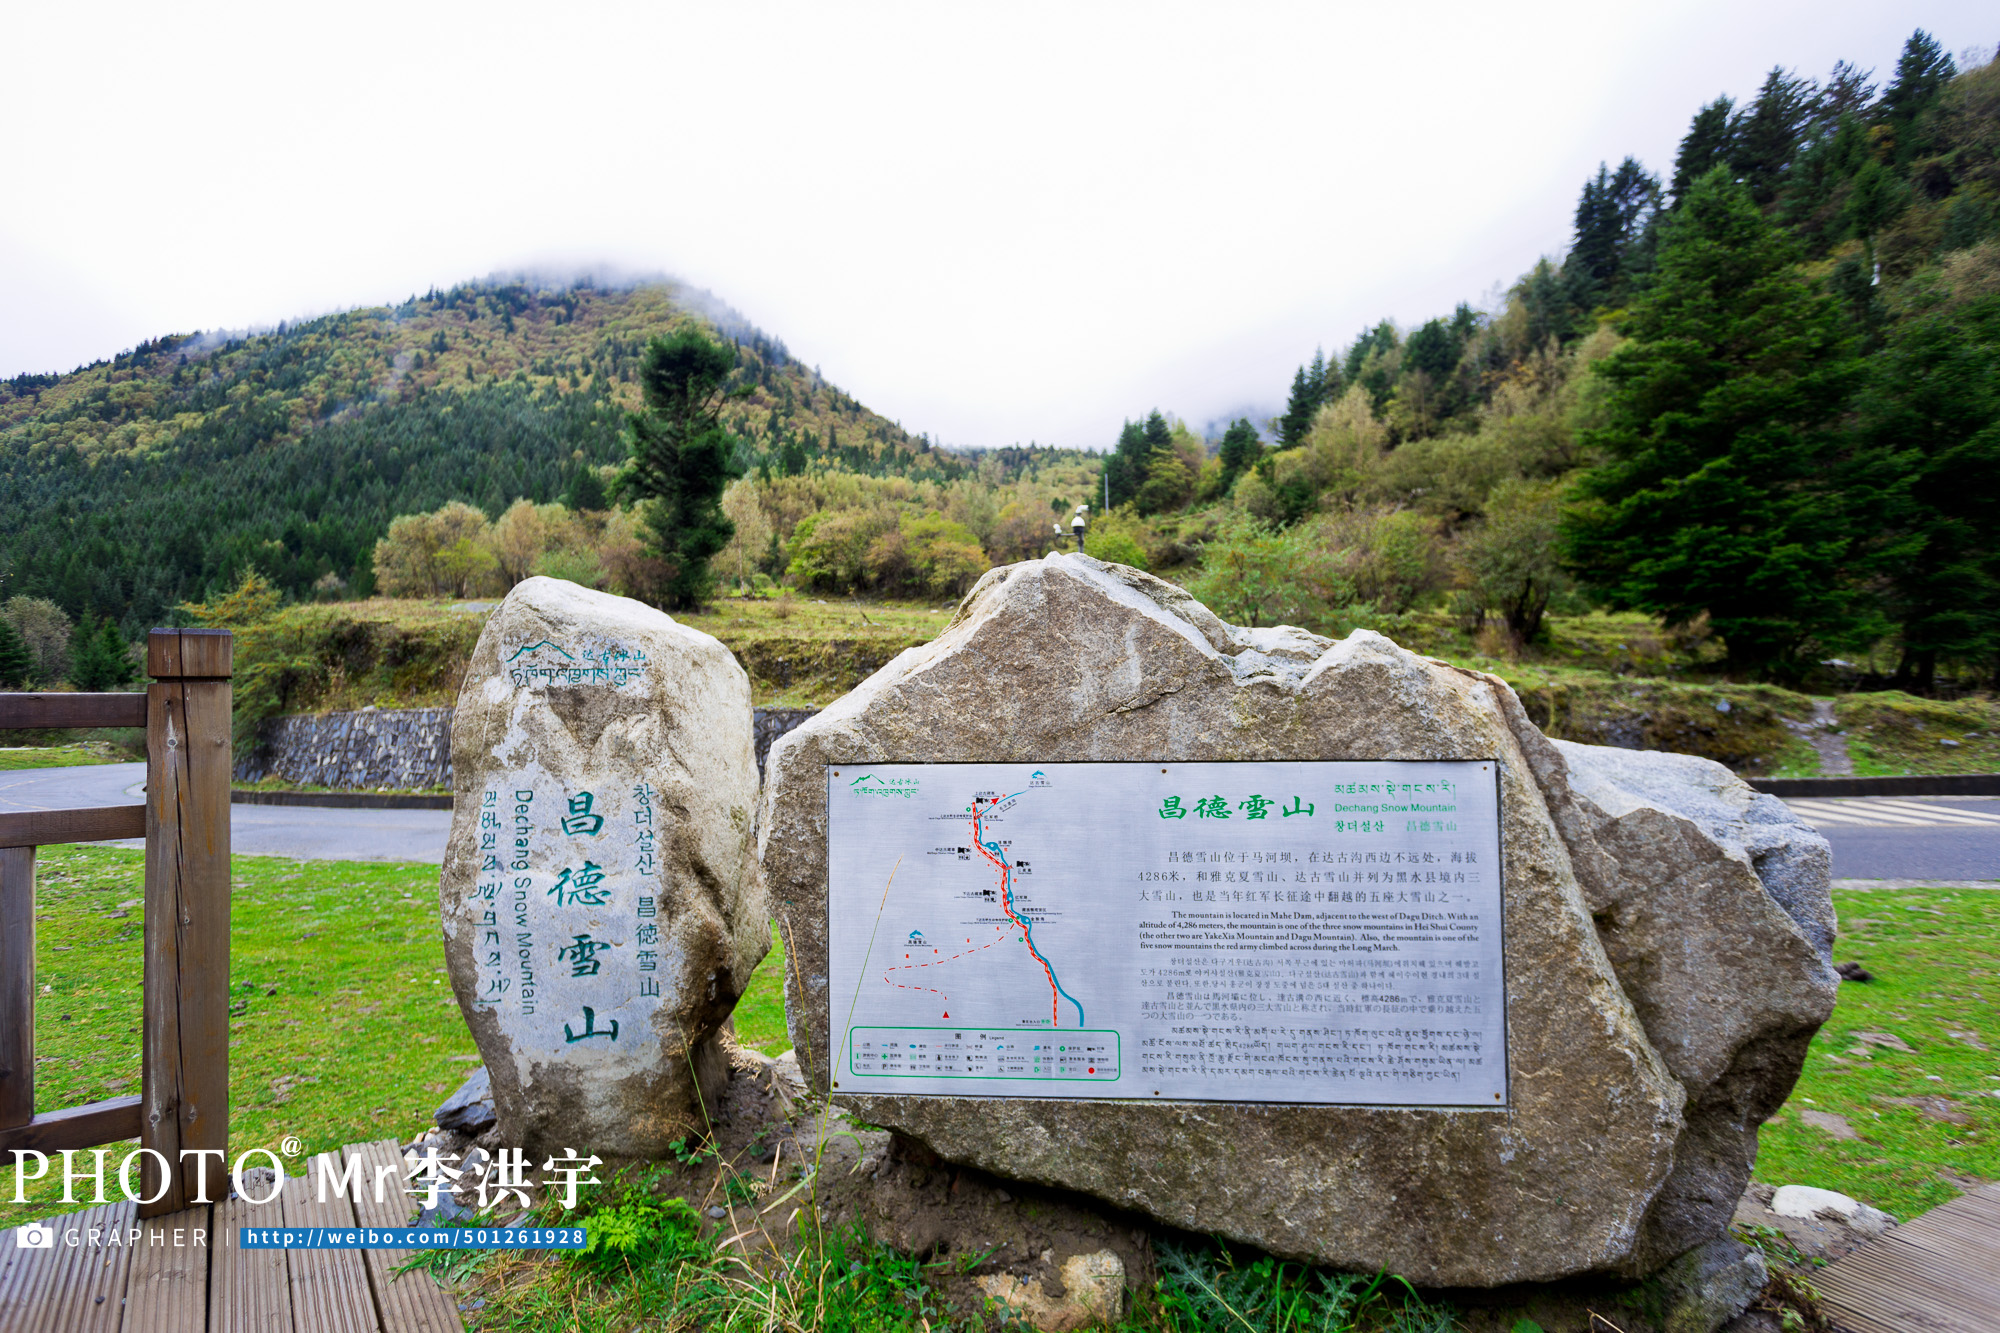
84	1126
87	1291
1937	1271
17	986
167	1291
412	1302
186	1045
24	1276
72	710
249	1291
1952	1247
189	654
98	823
1890	1291
330	1291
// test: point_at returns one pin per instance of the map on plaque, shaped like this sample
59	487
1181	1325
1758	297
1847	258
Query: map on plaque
1310	932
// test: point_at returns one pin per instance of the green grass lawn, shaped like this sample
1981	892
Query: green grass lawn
1904	1130
348	1030
13	758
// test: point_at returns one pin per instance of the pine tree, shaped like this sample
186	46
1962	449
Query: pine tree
1594	238
1309	388
585	491
1767	138
1720	430
1432	350
1930	417
1845	92
1707	144
1239	451
682	459
98	656
1922	71
17	662
1125	469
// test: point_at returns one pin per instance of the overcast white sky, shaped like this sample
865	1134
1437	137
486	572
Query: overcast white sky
992	222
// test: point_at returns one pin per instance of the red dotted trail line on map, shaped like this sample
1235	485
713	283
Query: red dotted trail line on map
935	962
1007	902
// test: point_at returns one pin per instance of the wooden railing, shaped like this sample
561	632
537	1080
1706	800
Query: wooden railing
182	1110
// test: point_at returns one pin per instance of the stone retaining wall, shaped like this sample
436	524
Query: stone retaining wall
371	748
767	724
400	747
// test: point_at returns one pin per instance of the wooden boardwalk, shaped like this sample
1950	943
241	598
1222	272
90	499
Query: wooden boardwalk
1939	1272
162	1281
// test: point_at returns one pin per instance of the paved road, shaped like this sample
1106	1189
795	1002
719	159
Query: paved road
1873	837
303	832
1908	837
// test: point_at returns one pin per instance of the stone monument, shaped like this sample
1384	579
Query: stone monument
601	902
1665	943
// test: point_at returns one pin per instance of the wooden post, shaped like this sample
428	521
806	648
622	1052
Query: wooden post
186	1063
17	986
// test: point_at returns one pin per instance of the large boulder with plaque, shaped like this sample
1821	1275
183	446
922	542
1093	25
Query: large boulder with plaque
1317	945
602	907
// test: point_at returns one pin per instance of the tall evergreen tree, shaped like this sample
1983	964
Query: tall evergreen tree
682	459
98	658
1930	417
1767	137
1239	451
1922	71
17	661
1706	145
585	492
1720	429
1125	469
1431	349
1847	91
1309	390
1612	220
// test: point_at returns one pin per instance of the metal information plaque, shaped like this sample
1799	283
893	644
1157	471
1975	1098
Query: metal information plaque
1247	932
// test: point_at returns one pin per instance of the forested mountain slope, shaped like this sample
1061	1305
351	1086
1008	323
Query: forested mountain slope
135	483
1759	398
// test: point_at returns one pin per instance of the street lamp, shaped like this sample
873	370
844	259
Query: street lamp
1078	524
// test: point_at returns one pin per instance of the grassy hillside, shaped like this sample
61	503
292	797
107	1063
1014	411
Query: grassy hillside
150	478
1592	682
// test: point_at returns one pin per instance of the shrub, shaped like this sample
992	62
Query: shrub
1254	575
1390	558
1115	546
830	550
445	553
1507	562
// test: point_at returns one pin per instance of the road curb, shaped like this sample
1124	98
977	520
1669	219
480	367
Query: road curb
343	800
1953	784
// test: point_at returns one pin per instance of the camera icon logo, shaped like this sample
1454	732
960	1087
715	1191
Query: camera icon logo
34	1236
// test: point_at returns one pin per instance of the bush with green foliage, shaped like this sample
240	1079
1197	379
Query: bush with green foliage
1108	543
1508	562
